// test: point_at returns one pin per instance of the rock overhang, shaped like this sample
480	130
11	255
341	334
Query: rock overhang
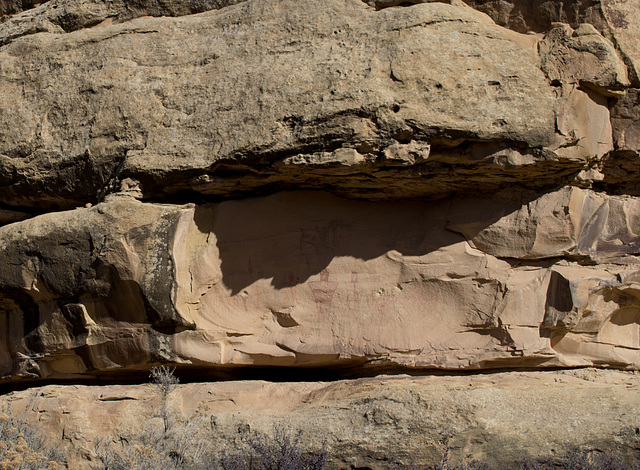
473	231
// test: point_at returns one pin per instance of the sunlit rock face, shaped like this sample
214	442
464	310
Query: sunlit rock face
346	185
309	279
360	421
423	101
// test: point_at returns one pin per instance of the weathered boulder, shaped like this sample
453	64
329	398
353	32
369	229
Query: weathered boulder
239	100
618	20
583	57
57	16
540	15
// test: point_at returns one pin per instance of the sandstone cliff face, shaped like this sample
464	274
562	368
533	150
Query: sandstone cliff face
309	279
335	184
330	188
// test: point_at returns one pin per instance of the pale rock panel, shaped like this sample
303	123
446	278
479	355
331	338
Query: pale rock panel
307	279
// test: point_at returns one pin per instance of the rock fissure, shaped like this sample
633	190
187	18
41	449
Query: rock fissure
437	21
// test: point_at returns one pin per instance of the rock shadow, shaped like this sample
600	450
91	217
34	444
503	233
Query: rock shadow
290	236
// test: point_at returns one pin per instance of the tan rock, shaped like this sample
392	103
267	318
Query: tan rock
540	15
222	103
582	56
501	227
498	418
620	167
59	16
623	20
9	7
593	316
625	118
584	127
308	279
570	222
618	20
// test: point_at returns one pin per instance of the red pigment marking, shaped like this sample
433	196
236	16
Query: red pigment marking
323	291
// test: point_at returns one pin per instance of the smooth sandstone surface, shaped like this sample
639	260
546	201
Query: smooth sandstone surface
308	279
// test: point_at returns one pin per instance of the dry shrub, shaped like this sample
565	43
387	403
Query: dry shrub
22	448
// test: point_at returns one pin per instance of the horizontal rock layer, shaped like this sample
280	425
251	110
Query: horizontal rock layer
308	279
497	418
488	169
262	96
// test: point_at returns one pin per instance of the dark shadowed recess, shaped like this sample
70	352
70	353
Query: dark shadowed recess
538	15
9	7
291	236
60	185
355	370
470	169
120	11
622	177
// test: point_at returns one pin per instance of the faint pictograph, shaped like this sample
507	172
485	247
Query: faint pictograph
323	291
